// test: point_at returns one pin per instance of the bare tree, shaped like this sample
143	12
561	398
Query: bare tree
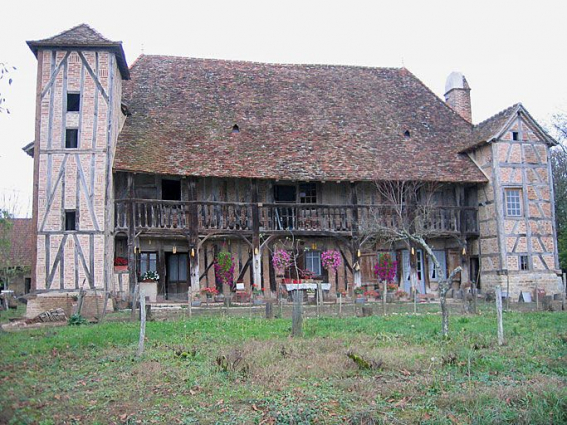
408	215
5	70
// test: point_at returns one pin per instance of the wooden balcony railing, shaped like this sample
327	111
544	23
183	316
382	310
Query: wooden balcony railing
273	218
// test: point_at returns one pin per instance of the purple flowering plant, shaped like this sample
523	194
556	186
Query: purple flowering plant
331	259
386	268
224	268
281	260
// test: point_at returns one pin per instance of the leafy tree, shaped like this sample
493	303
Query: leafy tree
559	171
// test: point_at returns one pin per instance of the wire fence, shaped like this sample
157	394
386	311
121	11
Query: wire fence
345	308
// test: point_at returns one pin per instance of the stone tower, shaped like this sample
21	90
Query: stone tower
78	118
458	95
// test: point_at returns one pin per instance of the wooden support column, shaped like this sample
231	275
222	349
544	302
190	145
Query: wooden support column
132	272
357	275
256	252
265	253
460	195
193	236
210	249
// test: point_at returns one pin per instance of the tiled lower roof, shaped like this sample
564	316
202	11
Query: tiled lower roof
297	122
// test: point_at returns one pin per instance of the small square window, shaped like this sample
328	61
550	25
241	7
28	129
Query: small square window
73	102
71	138
513	199
70	220
308	193
515	135
524	263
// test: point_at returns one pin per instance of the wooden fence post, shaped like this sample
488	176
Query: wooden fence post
499	315
142	323
297	315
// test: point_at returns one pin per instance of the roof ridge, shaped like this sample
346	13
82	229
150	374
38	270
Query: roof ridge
390	68
498	114
75	28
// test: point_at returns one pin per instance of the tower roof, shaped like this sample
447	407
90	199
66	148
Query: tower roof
83	37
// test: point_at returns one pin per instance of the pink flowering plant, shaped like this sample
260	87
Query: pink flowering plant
331	259
386	268
281	260
224	268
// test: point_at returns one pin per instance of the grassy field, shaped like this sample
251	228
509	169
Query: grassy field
248	370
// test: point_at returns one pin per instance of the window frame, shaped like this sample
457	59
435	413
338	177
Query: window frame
310	260
524	263
75	138
71	102
145	258
509	212
74	221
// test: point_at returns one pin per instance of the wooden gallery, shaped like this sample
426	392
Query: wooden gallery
168	165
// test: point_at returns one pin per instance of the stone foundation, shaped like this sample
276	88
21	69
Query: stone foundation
68	301
522	282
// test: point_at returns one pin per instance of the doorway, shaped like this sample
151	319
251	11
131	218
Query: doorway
176	276
285	216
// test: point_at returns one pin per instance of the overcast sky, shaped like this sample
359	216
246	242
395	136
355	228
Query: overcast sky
509	51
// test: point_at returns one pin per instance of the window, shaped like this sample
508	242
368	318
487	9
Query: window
70	220
308	193
71	138
73	102
524	263
313	262
148	261
513	202
515	135
171	190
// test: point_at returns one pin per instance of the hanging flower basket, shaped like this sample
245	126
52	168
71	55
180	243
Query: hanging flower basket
224	268
331	259
386	268
281	260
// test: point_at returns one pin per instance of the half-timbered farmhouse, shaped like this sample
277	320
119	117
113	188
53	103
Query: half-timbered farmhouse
172	160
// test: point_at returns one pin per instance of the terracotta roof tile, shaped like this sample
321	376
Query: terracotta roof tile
83	36
299	122
21	248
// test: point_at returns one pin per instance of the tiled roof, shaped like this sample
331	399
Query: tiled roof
21	248
83	36
488	129
298	122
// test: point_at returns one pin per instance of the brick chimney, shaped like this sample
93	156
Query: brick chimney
458	95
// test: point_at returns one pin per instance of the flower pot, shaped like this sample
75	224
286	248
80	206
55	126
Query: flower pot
360	300
196	303
120	269
258	301
219	298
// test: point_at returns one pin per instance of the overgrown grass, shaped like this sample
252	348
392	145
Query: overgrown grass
89	374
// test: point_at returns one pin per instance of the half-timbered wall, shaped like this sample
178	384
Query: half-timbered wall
76	179
517	249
